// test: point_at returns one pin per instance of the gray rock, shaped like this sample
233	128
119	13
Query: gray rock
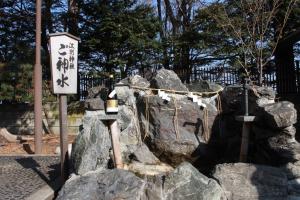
144	155
91	147
128	124
292	170
139	81
277	150
148	170
293	197
186	182
294	187
94	104
290	131
250	182
103	185
96	92
130	136
167	79
183	183
203	86
125	95
232	99
262	133
265	92
96	97
280	115
174	134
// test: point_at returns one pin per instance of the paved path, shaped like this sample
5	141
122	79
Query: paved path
21	176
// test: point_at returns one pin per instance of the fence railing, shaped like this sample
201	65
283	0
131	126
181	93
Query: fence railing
229	76
221	75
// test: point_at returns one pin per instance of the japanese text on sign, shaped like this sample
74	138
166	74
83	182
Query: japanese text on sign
64	64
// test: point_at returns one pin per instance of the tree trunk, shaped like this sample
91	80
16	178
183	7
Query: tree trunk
172	17
285	70
73	17
165	60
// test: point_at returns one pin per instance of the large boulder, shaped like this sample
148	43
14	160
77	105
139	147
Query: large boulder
251	182
167	79
274	147
277	150
103	184
176	129
279	115
130	136
91	147
186	182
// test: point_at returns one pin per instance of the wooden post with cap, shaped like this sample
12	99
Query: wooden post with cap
115	134
64	71
111	108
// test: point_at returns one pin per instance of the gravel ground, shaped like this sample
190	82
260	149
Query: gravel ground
50	142
22	175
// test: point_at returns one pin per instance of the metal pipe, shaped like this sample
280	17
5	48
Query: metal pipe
246	97
245	142
38	82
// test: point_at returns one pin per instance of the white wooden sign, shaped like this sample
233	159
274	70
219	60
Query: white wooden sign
64	56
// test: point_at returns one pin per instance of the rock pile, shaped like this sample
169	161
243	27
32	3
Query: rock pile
185	182
273	132
159	136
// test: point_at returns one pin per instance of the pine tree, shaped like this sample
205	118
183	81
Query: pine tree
118	35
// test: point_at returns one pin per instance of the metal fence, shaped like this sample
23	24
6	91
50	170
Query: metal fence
221	75
229	76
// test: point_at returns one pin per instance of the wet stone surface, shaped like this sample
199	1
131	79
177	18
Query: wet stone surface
22	176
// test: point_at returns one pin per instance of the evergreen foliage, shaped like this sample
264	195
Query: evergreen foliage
125	36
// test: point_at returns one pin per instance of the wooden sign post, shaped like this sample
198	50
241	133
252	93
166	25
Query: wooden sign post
64	70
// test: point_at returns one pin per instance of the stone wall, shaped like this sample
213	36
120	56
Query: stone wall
19	118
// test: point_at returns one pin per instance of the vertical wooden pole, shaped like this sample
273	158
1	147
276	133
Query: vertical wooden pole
115	134
38	83
245	142
63	122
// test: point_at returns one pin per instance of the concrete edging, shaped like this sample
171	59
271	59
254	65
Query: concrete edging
47	192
